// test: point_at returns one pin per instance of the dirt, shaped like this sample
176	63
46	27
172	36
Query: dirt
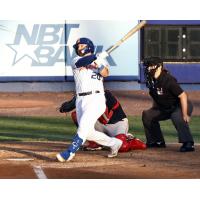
138	164
46	104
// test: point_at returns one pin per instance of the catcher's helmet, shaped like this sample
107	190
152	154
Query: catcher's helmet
89	48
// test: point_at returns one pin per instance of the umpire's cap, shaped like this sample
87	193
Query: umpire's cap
151	61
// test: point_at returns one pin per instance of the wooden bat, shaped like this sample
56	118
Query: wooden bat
128	35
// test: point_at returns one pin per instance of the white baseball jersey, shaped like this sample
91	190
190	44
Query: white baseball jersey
90	107
87	78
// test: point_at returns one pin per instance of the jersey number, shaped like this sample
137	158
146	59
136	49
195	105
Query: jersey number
96	76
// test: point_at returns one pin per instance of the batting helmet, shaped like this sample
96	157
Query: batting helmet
88	49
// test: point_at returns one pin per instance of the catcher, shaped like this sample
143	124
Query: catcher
113	122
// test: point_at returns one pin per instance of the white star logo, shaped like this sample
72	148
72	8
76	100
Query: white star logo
23	50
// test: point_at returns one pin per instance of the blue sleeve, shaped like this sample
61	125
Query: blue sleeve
84	61
74	62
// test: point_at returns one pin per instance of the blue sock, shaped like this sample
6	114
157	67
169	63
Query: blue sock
76	143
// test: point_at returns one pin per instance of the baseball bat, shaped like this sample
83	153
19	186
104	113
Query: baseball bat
128	35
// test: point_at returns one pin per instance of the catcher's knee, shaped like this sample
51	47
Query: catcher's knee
74	118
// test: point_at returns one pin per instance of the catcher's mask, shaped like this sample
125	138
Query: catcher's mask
150	66
88	49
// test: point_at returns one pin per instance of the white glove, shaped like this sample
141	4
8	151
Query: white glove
99	61
103	55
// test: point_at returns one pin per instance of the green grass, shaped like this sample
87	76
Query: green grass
169	131
36	128
62	129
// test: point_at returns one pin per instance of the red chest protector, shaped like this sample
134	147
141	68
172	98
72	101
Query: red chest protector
104	119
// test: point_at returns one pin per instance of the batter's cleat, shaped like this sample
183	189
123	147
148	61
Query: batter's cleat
156	145
65	156
92	146
187	146
115	149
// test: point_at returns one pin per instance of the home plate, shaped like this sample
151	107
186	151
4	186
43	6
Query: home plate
19	159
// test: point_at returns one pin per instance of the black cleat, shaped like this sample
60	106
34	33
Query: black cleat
156	145
187	146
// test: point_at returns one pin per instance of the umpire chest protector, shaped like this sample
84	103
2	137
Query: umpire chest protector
166	91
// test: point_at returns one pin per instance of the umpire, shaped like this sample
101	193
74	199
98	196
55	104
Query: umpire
169	102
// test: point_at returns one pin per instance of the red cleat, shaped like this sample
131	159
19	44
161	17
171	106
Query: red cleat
137	144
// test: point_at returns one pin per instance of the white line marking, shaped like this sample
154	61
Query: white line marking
19	159
39	172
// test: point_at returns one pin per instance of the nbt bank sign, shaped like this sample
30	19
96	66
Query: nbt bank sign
46	44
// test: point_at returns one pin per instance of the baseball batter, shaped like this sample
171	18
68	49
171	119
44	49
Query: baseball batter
89	70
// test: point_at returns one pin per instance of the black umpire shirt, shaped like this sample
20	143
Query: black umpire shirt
165	92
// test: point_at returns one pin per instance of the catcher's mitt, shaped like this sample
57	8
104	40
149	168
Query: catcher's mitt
68	106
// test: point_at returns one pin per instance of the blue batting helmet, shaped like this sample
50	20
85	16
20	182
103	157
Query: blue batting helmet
89	48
